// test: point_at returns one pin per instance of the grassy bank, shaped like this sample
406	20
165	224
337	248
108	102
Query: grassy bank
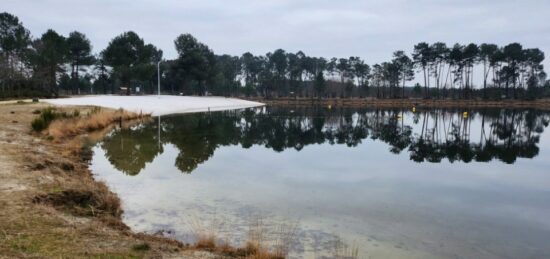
53	207
407	103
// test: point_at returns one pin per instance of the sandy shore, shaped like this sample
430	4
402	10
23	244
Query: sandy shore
158	105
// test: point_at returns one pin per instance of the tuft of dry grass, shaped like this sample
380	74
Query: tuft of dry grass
270	241
285	234
263	242
206	234
97	119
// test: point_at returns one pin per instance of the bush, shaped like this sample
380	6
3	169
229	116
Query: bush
43	121
38	124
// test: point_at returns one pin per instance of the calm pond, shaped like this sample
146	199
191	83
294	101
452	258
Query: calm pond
390	183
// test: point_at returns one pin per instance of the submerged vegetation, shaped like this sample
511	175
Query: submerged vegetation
39	67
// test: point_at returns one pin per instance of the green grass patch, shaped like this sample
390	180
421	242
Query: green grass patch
141	247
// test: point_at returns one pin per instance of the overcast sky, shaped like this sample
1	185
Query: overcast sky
371	29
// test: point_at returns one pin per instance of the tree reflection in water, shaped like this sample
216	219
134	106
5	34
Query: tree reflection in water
428	136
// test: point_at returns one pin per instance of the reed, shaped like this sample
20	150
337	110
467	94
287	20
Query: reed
263	242
343	251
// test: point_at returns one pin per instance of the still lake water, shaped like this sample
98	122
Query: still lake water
391	183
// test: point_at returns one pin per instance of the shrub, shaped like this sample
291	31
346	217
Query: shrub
38	124
46	117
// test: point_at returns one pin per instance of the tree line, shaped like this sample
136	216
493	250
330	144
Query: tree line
54	64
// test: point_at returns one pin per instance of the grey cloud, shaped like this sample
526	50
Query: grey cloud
370	29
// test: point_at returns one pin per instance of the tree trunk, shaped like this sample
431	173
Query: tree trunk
53	82
507	89
77	81
446	80
485	75
403	89
425	83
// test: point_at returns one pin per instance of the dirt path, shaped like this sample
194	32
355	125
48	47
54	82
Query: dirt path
31	165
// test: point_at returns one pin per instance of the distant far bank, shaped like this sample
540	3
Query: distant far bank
407	103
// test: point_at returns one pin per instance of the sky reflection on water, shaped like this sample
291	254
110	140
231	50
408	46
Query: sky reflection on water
393	183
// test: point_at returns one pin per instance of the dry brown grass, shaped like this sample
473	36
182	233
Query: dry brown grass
263	242
251	250
85	197
89	198
96	119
